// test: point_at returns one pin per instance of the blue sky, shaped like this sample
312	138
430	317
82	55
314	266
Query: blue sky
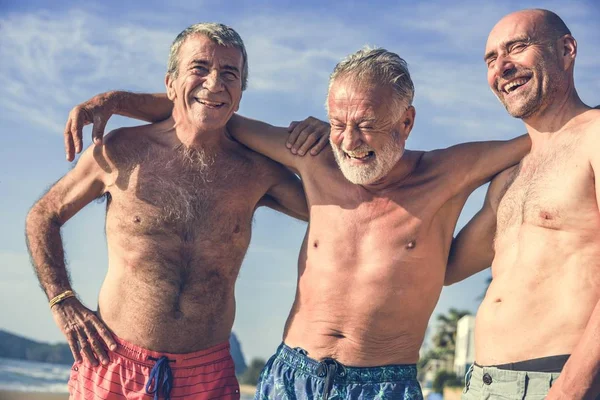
55	55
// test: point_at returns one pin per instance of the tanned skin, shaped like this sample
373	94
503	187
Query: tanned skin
181	195
540	223
373	260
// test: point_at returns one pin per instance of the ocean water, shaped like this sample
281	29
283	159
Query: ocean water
29	376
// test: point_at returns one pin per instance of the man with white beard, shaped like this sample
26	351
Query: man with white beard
373	260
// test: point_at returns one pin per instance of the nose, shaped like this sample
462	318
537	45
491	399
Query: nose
504	66
351	138
213	82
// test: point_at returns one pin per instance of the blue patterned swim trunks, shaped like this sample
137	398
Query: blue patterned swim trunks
291	375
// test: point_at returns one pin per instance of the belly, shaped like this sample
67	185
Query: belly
364	315
167	296
540	299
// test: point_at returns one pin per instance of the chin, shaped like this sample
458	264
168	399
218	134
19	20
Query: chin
360	176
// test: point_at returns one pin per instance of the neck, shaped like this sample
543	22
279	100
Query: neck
401	171
193	137
556	117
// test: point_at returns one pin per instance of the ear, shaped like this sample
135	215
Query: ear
169	80
567	51
407	121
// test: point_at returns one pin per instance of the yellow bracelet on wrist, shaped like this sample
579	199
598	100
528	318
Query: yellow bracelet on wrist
64	295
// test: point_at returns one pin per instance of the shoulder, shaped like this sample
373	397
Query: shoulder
592	134
123	145
500	184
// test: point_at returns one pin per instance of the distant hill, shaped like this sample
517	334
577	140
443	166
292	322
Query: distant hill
236	353
15	346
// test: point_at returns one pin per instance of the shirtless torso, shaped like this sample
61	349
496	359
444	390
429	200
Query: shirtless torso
372	263
178	224
546	272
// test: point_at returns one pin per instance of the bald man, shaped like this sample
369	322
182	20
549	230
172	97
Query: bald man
537	331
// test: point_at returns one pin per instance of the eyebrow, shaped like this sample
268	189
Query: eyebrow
226	67
505	45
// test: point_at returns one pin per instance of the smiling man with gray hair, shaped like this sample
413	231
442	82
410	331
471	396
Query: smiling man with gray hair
181	195
373	260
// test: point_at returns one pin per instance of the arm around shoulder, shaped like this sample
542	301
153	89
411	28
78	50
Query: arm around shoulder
265	139
481	161
472	250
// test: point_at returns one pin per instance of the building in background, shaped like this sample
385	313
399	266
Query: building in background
464	352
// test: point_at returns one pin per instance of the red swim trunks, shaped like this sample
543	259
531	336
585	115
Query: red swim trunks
136	373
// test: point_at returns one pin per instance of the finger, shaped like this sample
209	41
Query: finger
98	129
69	147
293	124
85	347
94	341
317	148
303	136
99	350
89	355
78	121
310	140
105	335
72	341
294	132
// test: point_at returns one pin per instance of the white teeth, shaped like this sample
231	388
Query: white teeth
512	85
210	103
357	155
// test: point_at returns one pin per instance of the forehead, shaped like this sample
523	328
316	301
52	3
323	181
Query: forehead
200	47
514	26
347	95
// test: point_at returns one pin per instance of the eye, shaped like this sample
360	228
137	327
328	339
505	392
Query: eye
517	47
491	62
199	69
229	76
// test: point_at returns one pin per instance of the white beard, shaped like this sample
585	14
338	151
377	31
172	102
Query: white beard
376	168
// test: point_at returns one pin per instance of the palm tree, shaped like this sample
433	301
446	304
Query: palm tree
445	336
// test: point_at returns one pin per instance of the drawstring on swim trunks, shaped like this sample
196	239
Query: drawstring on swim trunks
328	368
161	377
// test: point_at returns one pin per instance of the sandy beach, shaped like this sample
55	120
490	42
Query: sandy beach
13	395
246	390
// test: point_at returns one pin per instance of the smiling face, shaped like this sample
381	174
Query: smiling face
367	134
523	65
208	87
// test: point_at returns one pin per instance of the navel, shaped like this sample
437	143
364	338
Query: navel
316	244
237	228
137	219
411	245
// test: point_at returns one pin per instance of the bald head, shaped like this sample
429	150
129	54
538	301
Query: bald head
546	22
530	55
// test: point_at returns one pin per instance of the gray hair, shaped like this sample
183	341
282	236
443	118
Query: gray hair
220	34
379	65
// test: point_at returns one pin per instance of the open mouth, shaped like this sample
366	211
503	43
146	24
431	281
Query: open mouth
514	85
208	103
360	156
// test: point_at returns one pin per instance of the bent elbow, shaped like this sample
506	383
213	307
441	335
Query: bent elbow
451	277
38	217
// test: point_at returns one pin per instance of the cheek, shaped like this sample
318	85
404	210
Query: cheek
336	137
491	79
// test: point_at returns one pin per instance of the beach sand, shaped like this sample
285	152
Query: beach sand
246	390
12	395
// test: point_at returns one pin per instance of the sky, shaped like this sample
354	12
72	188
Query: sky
55	55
